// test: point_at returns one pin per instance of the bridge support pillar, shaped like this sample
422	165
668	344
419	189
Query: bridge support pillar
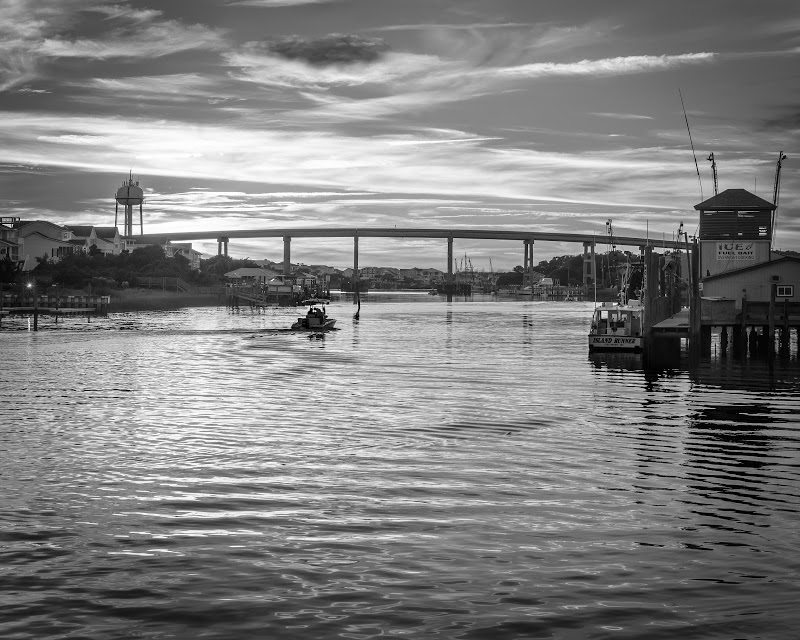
589	265
525	262
356	275
450	263
528	270
287	255
222	247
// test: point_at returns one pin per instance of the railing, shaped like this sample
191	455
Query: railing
51	301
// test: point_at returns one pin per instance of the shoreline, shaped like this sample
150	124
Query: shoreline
133	300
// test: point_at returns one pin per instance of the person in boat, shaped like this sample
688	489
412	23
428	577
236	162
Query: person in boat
315	312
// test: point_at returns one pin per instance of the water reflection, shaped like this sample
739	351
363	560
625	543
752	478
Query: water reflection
449	470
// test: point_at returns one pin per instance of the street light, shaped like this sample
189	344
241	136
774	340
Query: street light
32	287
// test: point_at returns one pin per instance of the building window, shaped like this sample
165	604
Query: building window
784	291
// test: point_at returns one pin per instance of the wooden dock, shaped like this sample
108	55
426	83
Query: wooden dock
675	325
754	326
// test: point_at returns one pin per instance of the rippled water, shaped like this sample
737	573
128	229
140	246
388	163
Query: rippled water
433	470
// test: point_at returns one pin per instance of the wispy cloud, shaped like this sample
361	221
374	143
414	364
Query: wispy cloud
151	41
620	116
267	4
623	65
33	31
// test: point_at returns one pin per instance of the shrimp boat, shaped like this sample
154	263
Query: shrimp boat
316	319
617	327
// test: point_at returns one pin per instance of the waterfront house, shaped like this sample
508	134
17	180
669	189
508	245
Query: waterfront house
106	240
250	276
9	241
172	249
42	239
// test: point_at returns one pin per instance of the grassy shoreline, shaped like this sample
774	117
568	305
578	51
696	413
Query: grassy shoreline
143	300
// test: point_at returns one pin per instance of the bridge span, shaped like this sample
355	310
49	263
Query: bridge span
528	238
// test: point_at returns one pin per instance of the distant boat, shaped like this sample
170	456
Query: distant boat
316	319
617	327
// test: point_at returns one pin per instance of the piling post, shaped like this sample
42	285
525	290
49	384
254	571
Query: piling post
723	340
770	341
695	316
35	309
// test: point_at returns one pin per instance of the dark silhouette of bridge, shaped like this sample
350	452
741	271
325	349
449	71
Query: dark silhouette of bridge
528	238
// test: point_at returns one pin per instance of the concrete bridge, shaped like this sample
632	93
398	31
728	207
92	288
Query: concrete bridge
528	238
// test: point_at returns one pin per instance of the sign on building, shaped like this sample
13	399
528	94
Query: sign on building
736	250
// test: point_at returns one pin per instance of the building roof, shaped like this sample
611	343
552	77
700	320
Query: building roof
58	241
106	232
249	272
753	267
735	200
81	230
27	223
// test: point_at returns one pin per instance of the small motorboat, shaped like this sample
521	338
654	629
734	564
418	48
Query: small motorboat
316	319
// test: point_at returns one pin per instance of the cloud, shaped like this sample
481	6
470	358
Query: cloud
621	116
268	4
32	31
266	68
150	41
623	65
316	160
455	26
425	82
336	48
176	86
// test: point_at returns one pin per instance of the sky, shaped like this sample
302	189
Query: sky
553	115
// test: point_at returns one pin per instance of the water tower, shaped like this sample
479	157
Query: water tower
129	195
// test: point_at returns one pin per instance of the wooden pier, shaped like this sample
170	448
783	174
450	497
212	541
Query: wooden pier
756	328
257	296
53	306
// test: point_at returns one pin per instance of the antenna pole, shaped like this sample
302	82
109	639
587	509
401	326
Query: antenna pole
775	193
691	142
713	170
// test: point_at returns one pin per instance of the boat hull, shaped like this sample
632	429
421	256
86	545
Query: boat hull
614	343
303	325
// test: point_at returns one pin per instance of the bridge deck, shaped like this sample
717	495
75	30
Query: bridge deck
385	232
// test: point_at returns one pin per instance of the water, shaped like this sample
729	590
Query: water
433	470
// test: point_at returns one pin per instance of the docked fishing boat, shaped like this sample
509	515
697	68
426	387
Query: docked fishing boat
316	319
617	327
